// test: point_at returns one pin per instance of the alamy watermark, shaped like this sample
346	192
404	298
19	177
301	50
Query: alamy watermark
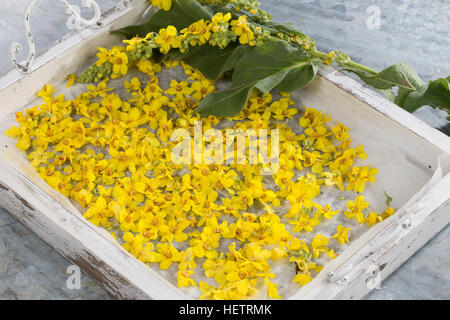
208	147
373	22
73	282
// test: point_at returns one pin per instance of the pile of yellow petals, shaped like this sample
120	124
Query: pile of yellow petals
113	156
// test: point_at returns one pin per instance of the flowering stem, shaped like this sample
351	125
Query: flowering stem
349	63
325	57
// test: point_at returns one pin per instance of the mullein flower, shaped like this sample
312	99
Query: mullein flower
341	235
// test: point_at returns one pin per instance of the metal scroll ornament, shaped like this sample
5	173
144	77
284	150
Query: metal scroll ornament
15	48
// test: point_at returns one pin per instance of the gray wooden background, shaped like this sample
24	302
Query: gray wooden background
416	32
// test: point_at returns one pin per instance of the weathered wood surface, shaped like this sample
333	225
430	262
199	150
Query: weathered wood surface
80	241
386	245
382	249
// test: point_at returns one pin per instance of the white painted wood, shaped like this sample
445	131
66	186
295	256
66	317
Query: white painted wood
383	248
409	166
80	241
68	54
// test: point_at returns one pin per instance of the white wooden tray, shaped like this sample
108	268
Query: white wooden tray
412	159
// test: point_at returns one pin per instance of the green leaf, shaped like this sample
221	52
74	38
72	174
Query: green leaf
398	75
300	77
401	96
435	94
389	94
211	61
132	31
267	84
275	64
276	27
264	68
182	14
388	198
263	61
412	91
225	103
237	54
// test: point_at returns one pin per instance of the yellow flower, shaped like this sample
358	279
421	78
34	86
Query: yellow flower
373	218
133	85
319	135
24	141
272	289
312	118
360	152
187	260
71	80
301	195
204	245
152	91
303	222
100	90
358	177
325	211
60	182
168	39
179	89
99	213
333	179
149	227
387	213
342	234
13	132
165	129
166	254
170	64
148	67
40	156
235	272
344	162
217	268
330	59
162	4
302	279
257	102
184	278
133	244
174	230
147	254
201	30
207	290
256	257
135	41
331	254
201	89
280	110
340	132
103	55
355	209
219	19
241	29
278	253
297	244
120	64
318	245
